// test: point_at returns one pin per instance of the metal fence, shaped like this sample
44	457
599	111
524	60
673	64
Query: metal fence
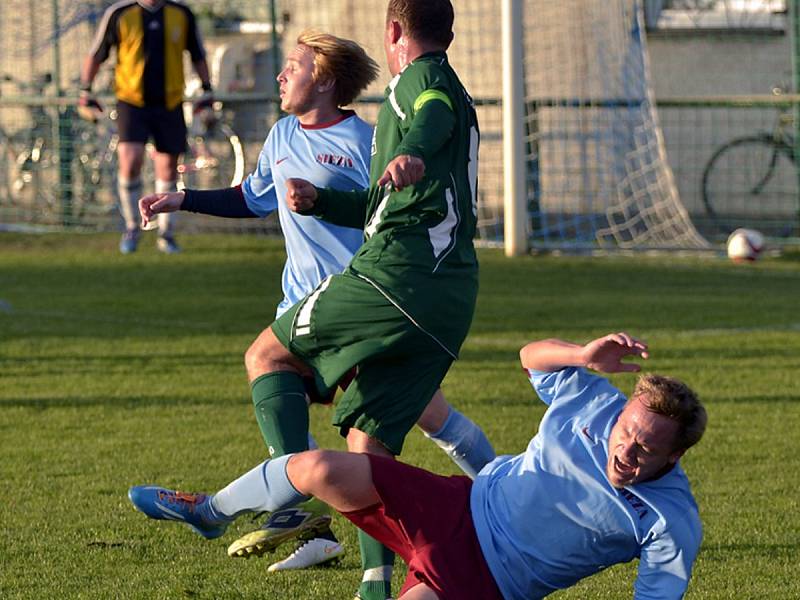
714	66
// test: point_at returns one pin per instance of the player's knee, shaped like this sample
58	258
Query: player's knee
252	357
259	357
313	470
266	354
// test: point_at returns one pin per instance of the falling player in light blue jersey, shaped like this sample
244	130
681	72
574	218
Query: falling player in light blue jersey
599	484
330	147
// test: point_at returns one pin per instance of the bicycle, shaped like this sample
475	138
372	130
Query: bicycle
32	184
214	156
754	178
31	180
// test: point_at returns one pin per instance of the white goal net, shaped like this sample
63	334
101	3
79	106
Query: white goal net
596	169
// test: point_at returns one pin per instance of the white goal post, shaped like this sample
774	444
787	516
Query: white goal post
584	159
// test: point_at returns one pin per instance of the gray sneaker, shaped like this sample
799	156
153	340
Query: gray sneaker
167	245
129	241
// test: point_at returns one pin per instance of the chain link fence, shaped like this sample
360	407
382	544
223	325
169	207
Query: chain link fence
57	171
714	66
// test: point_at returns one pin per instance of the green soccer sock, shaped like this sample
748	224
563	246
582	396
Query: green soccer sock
374	590
281	411
377	561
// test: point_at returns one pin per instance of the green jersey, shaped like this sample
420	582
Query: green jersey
418	249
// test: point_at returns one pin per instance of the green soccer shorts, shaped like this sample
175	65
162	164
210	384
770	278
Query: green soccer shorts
347	322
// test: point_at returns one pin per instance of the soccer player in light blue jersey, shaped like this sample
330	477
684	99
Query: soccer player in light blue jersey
599	484
329	146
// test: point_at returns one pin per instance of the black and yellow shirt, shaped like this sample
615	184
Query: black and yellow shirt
150	43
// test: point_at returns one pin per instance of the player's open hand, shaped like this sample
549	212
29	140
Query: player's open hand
300	195
605	354
153	204
402	171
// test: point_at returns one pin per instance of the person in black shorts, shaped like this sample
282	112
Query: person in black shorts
150	37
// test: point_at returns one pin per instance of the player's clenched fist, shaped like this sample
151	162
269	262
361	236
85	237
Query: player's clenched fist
300	195
402	171
153	204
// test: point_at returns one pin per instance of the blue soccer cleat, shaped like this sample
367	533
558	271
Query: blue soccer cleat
193	509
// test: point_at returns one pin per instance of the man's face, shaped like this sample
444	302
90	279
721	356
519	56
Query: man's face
297	86
641	445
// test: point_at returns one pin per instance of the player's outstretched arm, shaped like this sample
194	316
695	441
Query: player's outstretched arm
603	354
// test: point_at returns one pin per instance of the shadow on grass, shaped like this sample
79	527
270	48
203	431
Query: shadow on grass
723	552
780	399
127	402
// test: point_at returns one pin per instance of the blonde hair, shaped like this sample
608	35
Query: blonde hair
340	60
674	399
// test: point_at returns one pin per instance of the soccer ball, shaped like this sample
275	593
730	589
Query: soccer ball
745	245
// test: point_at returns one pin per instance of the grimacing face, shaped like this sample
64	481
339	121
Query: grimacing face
641	445
297	81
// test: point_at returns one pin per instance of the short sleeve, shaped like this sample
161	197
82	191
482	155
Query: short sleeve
194	42
665	563
571	383
106	36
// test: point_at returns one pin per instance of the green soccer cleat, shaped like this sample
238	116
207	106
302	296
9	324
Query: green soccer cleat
305	521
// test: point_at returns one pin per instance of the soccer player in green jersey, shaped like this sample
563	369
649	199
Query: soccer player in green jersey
402	308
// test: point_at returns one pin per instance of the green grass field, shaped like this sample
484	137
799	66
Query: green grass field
123	370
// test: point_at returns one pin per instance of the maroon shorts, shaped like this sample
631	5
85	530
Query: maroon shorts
425	518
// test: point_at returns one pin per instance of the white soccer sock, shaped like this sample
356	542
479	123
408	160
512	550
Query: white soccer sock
264	488
166	221
129	191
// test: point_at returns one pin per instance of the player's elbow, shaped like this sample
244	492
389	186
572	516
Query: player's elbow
527	355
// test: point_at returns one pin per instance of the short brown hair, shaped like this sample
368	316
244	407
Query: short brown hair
424	20
343	61
674	399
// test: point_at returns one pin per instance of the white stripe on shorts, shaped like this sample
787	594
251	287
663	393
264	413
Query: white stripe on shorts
302	322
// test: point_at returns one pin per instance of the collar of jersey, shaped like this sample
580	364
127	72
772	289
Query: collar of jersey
346	114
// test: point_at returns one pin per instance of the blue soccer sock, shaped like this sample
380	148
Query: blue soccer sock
264	488
464	442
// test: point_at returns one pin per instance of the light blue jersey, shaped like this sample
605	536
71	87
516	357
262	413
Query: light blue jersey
334	155
549	517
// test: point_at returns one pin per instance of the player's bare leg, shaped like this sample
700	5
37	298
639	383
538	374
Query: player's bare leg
377	561
419	592
279	398
463	440
130	157
166	170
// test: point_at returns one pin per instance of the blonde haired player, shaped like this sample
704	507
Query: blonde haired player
329	146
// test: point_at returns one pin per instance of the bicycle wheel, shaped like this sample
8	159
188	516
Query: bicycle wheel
214	159
6	169
94	174
751	181
34	183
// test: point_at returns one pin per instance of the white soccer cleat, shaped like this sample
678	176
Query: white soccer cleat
318	551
